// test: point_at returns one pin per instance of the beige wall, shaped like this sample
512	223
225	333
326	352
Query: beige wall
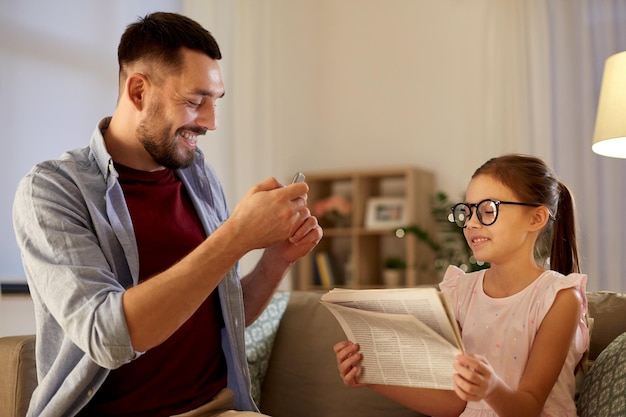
330	84
380	83
334	84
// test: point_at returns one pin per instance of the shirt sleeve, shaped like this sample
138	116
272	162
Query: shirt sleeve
450	287
578	282
76	292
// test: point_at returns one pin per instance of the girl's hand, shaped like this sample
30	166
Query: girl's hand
475	379
348	358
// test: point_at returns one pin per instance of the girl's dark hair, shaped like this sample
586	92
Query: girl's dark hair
159	37
533	181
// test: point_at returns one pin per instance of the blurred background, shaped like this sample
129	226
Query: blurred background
318	85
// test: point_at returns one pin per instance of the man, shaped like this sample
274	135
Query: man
130	253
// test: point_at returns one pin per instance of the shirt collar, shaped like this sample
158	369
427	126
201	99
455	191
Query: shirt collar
99	150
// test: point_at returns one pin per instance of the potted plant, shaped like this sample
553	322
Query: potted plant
393	271
333	211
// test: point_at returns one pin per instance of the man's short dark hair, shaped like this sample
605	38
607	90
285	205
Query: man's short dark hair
160	37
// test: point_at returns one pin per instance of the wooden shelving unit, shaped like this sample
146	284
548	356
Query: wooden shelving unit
357	252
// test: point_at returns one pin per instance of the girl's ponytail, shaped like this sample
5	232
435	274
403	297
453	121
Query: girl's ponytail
564	249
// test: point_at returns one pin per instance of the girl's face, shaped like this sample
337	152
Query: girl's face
506	239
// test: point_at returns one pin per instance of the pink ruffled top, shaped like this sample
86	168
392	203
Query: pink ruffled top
504	329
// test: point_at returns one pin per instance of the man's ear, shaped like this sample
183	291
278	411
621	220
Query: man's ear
136	89
541	216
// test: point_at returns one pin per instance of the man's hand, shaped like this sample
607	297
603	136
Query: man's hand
270	213
306	235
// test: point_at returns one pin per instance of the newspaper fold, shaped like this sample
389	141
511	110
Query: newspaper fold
406	336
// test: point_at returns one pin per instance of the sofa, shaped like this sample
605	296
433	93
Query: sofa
294	370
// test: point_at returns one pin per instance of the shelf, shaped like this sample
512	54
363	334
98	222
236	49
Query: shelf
355	249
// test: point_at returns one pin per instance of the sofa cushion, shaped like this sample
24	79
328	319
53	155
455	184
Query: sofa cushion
604	308
18	375
260	339
302	379
604	388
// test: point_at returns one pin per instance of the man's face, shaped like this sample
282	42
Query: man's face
180	110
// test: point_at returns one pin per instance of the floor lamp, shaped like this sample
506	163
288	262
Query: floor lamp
609	138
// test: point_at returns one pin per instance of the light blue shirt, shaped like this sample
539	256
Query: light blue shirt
79	254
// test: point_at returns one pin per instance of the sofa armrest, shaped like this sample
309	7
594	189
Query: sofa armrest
18	377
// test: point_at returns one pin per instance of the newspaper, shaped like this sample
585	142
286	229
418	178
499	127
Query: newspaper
406	336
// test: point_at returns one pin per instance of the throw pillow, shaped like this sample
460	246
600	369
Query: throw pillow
260	339
604	389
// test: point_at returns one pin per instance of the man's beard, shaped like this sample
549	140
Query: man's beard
158	142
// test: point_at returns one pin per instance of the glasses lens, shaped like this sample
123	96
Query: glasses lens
487	212
461	214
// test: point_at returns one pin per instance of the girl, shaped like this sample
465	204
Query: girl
522	324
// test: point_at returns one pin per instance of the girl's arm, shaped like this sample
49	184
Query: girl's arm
476	380
436	403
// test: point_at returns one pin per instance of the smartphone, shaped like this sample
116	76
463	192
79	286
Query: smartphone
299	177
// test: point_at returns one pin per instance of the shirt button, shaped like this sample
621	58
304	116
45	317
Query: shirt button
90	393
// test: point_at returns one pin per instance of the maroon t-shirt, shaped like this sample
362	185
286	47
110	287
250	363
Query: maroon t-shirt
189	368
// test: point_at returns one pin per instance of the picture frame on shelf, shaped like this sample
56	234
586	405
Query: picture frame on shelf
386	213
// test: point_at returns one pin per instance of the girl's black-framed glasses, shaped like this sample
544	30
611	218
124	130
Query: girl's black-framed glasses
486	211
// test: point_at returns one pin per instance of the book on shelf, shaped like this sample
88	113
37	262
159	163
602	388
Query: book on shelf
325	269
407	336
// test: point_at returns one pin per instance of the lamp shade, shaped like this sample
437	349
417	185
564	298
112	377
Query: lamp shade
609	137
